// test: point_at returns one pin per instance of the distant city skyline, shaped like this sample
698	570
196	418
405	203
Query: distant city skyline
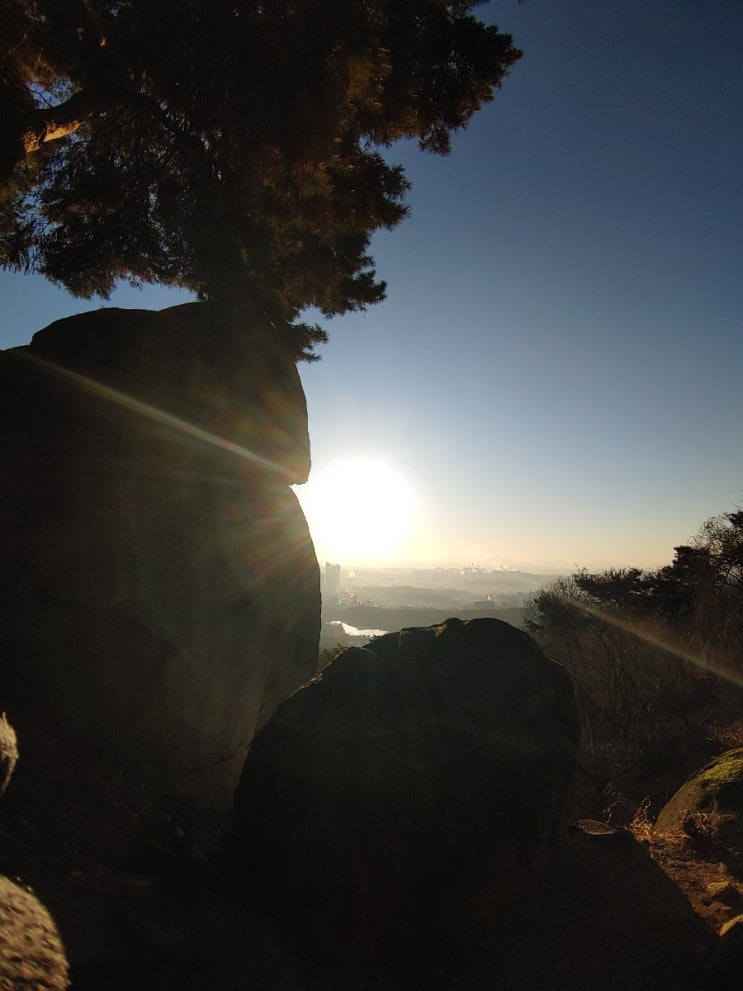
555	376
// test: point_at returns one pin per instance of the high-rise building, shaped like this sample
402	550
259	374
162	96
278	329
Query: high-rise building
332	582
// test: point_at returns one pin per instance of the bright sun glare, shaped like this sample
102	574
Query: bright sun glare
359	510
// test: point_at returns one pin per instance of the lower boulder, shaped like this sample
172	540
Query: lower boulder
708	808
31	951
410	778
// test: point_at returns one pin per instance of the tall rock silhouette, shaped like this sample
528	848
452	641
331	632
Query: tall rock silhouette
160	591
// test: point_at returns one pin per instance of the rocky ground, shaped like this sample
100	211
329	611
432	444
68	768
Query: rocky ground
139	904
621	909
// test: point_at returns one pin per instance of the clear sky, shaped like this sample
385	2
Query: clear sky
556	376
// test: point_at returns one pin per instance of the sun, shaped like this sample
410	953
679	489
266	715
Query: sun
359	510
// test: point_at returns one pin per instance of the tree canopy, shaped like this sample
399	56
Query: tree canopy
230	147
695	603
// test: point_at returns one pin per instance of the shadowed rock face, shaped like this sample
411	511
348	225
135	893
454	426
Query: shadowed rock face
160	592
410	776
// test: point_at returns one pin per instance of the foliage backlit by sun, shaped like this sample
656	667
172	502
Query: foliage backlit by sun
359	510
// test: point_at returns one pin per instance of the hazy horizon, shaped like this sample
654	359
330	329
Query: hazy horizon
548	568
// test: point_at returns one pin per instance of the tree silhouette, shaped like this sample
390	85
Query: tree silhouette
231	147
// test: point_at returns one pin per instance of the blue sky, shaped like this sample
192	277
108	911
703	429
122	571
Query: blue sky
556	374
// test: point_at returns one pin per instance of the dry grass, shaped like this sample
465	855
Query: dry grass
641	825
688	856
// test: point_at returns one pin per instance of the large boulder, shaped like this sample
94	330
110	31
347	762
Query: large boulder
410	777
160	592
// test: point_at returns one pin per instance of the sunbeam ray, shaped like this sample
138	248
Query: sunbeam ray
661	643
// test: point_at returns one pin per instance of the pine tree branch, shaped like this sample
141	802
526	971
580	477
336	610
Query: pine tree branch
52	123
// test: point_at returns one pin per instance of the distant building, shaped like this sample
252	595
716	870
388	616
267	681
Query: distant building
332	582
